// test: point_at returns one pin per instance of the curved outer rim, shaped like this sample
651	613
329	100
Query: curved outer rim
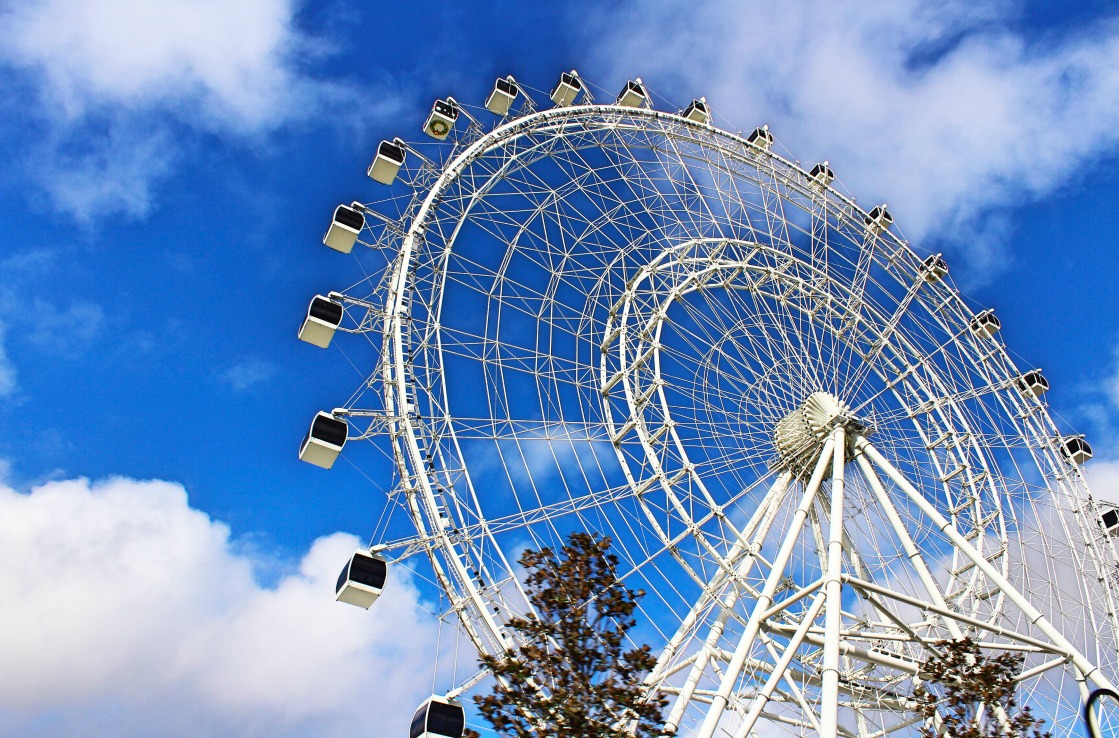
421	498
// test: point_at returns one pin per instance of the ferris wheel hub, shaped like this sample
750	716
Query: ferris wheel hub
800	435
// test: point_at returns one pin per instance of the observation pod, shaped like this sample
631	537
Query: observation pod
1110	520
324	315
761	137
324	441
390	157
878	219
505	91
362	579
567	89
1034	383
438	717
822	174
344	228
633	95
1076	449
442	119
934	268
986	324
697	111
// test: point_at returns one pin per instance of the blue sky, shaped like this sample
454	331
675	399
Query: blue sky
169	169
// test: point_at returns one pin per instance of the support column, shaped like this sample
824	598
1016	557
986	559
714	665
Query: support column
833	591
722	697
1089	670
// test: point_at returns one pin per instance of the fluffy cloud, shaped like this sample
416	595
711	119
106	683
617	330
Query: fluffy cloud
232	60
126	612
939	109
112	86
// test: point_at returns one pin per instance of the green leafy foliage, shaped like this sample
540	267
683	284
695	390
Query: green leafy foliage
571	676
969	690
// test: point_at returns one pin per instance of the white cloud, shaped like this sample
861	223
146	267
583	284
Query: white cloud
230	59
116	87
66	332
248	373
128	613
8	383
939	110
1103	479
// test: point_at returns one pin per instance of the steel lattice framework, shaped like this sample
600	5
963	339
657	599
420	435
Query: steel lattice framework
808	452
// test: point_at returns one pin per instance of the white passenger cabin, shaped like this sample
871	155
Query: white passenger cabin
1034	383
633	95
761	137
567	89
386	164
697	111
324	441
362	579
821	174
1110	519
934	268
324	315
442	119
986	324
345	227
505	91
878	219
1076	449
438	717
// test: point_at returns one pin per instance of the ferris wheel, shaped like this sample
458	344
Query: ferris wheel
813	454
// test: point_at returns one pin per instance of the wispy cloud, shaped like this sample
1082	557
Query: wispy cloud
114	89
129	613
940	110
8	383
69	332
248	373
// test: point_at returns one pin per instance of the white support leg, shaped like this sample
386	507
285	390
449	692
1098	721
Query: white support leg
778	672
1089	670
907	544
738	659
757	531
833	590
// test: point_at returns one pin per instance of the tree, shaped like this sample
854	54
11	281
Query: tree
569	676
969	690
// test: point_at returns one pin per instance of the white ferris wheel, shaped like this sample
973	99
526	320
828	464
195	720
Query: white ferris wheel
812	453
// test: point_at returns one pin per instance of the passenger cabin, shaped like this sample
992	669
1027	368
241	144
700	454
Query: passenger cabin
344	228
324	315
1076	449
387	162
362	579
442	119
324	441
438	717
761	137
505	91
821	174
878	219
1033	383
697	111
1110	520
567	89
633	95
986	324
934	268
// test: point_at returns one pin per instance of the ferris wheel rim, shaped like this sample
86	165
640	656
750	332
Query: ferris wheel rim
395	318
